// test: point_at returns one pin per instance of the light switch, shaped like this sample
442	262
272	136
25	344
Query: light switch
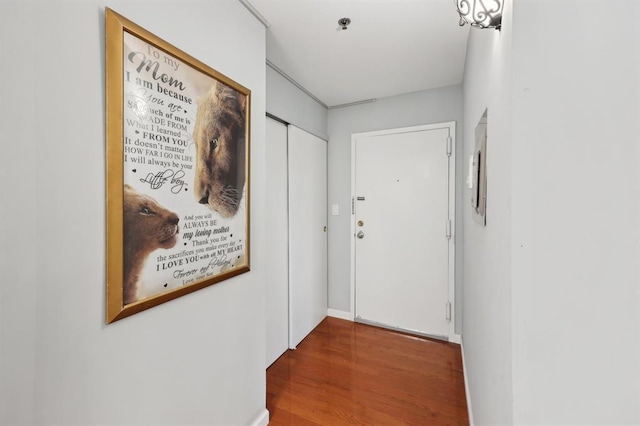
335	210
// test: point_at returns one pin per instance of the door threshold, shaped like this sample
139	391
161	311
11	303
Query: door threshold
402	330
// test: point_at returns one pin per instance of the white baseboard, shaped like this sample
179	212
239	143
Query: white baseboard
339	314
456	338
262	419
466	384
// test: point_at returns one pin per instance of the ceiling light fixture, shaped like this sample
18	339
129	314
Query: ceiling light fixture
344	23
480	13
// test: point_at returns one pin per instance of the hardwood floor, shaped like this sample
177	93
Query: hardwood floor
345	373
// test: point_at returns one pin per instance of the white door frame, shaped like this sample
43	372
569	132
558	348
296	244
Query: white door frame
451	126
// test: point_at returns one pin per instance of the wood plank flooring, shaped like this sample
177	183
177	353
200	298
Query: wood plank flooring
345	373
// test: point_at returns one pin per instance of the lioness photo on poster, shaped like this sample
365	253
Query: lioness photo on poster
219	138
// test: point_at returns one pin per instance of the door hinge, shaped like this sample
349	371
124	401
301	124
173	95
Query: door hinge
448	311
353	205
448	231
449	146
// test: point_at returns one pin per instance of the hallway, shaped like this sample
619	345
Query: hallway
350	373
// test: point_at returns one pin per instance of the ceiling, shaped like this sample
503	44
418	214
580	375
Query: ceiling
391	46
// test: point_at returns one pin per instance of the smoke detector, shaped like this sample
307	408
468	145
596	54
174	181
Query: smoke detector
344	23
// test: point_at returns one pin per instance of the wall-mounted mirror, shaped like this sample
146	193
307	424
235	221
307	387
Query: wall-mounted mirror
479	173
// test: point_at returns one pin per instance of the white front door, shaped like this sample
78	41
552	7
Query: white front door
403	193
307	233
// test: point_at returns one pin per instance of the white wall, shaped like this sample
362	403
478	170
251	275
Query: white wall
195	360
576	210
425	107
289	103
18	217
487	255
551	312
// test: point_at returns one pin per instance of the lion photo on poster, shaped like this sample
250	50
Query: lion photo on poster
184	155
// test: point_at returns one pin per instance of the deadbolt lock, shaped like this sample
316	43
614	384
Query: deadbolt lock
360	223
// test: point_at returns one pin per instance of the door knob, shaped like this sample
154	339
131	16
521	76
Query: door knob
360	235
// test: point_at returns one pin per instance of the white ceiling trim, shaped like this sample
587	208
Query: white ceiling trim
366	101
255	13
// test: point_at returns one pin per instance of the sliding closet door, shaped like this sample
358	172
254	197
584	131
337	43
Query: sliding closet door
307	233
277	319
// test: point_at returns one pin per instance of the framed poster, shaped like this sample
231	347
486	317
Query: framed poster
177	139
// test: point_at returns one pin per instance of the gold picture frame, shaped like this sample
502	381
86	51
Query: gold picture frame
177	171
